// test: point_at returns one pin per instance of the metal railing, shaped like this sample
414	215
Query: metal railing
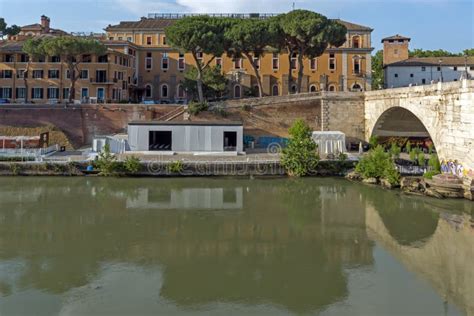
174	16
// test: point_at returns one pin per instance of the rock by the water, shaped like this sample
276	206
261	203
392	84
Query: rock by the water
354	176
433	193
370	181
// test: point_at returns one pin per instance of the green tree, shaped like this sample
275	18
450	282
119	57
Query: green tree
431	53
33	48
249	38
312	33
378	164
3	25
468	52
299	158
377	71
71	50
8	30
106	162
214	83
198	35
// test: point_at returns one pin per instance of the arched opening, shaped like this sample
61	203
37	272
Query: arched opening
181	93
148	91
401	125
356	87
275	90
313	88
237	92
164	91
332	87
356	41
293	89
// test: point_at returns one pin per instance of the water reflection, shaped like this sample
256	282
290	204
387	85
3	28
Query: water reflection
292	246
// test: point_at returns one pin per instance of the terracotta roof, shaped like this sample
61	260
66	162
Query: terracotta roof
434	61
354	27
143	24
160	24
35	26
396	37
11	46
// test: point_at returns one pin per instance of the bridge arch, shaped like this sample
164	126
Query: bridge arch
402	122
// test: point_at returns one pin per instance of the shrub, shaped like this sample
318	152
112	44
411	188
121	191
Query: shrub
342	157
430	174
15	169
434	163
408	147
373	141
421	159
395	150
299	158
195	108
107	162
220	110
414	153
378	164
430	148
132	164
175	167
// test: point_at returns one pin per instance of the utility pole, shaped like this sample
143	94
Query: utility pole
294	6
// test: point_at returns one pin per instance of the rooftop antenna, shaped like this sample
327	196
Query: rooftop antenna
294	5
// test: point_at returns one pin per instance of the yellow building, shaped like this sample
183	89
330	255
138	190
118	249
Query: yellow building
107	78
161	68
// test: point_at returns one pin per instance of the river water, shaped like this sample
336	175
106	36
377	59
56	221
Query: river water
95	246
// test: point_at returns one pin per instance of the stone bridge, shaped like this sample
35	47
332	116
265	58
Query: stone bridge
443	111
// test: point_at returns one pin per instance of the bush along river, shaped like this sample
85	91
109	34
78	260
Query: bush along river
215	246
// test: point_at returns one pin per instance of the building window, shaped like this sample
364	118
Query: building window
164	91
332	88
101	76
313	88
24	58
313	63
199	56
439	68
164	40
84	74
103	59
9	58
148	40
68	74
55	59
120	38
411	75
181	62
86	58
356	41
356	87
6	93
256	61
181	92
423	68
20	74
356	65
148	91
395	51
455	68
237	63
275	90
148	61
65	93
84	93
293	89
396	75
129	39
6	74
37	74
219	62
37	93
21	93
275	61
332	61
53	74
53	93
237	92
294	61
111	38
164	61
423	81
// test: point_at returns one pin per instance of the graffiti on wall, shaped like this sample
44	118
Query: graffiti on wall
455	168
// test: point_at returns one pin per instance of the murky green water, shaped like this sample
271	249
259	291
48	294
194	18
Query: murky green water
91	246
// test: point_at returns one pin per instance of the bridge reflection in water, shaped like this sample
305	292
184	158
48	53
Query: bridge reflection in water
142	246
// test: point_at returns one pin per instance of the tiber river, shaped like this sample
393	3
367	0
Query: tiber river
95	246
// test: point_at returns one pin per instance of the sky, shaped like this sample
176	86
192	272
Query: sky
432	24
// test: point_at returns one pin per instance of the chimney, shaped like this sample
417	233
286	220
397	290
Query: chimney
45	23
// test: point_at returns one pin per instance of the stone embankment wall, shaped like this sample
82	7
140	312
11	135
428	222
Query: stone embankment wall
81	123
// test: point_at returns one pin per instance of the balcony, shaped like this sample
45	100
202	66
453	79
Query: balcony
103	81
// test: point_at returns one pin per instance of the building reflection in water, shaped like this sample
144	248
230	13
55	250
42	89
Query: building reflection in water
288	248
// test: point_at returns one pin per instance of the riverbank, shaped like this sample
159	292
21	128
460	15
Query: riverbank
176	168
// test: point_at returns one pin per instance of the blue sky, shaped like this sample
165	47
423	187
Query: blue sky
432	24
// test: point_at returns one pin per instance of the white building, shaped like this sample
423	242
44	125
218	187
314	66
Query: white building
402	71
186	137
